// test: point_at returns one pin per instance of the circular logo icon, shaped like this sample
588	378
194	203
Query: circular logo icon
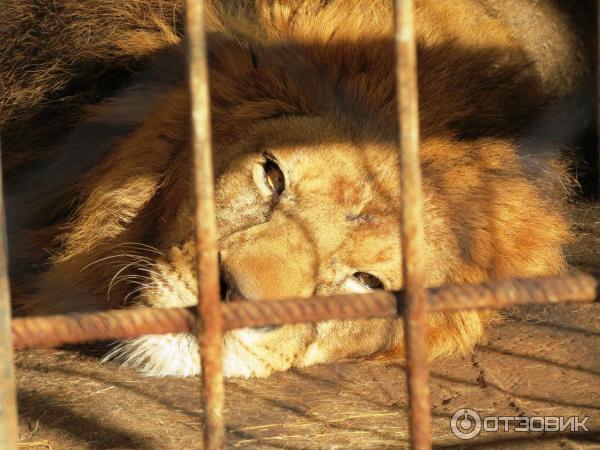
465	424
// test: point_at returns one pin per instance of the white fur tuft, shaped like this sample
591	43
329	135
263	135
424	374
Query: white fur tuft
177	355
159	355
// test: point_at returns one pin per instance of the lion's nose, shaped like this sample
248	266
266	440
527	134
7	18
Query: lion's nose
227	283
268	278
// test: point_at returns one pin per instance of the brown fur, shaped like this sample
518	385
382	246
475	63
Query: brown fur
94	114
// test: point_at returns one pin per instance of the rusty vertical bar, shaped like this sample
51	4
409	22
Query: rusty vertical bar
598	96
8	399
209	323
415	321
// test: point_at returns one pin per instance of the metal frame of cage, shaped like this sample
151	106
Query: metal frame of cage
211	318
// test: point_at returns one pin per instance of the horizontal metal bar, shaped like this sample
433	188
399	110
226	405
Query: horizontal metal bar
51	331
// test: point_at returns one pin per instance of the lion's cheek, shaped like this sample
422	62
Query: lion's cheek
335	340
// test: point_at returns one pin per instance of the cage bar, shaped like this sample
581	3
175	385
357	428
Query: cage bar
413	267
51	331
8	399
209	320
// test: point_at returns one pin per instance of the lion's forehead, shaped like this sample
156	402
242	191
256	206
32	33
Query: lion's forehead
364	237
348	177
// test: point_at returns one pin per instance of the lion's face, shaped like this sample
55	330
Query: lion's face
296	217
301	218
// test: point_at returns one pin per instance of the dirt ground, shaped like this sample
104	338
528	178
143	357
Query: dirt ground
540	361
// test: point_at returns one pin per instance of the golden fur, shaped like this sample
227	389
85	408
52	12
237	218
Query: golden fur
94	112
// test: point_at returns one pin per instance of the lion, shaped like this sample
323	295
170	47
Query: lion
97	162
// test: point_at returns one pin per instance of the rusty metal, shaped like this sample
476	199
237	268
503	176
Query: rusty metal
580	287
51	331
55	330
8	399
413	267
209	321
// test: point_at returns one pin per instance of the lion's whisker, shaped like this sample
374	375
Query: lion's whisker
120	255
142	247
150	271
112	282
134	291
